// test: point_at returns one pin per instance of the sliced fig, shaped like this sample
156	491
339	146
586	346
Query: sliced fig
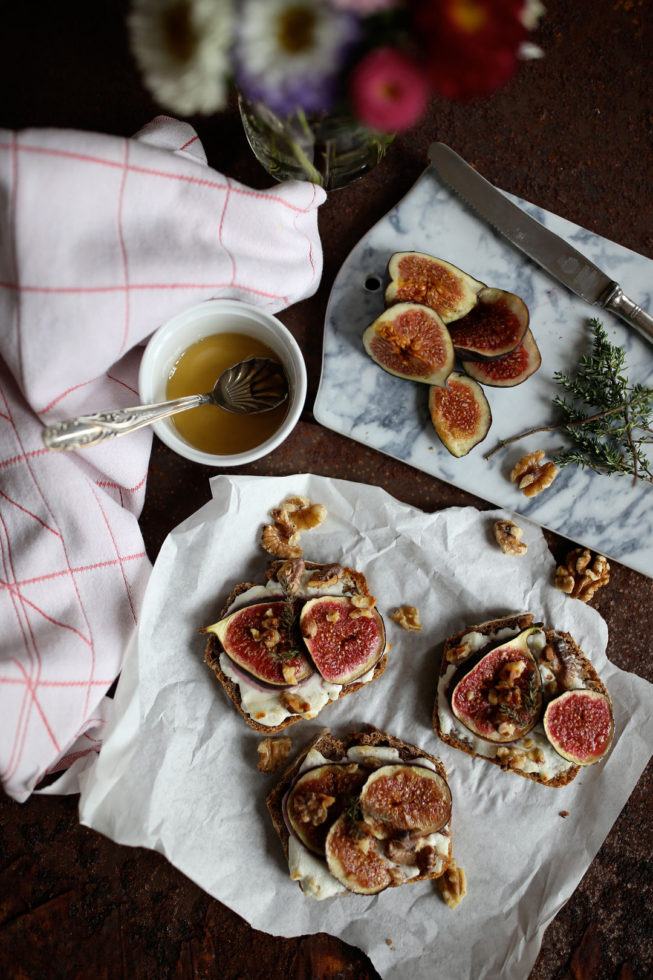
354	857
579	726
416	277
460	413
255	639
509	370
412	342
399	798
500	698
344	640
318	798
493	328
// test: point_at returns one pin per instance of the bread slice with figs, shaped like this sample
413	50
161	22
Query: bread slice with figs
525	697
284	649
363	813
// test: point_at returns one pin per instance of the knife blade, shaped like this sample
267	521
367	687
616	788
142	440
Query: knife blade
544	247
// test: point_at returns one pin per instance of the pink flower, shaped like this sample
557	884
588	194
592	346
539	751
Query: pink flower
388	90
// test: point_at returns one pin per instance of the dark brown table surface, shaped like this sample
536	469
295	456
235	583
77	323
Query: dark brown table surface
573	134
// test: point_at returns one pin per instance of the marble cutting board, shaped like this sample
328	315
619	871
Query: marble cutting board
358	399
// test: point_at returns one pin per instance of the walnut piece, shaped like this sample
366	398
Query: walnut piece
273	752
532	475
279	544
294	703
581	575
295	514
312	807
407	617
453	885
290	574
507	535
323	577
511	758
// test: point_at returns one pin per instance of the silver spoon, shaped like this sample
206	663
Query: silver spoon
254	385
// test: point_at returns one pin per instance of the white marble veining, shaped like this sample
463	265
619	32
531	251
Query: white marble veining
360	400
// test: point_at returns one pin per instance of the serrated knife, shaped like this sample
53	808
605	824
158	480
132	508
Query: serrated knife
543	246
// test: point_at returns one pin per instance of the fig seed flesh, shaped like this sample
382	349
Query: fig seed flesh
410	341
344	641
244	634
416	277
579	726
511	369
460	414
493	328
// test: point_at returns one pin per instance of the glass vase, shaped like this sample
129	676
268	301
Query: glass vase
329	150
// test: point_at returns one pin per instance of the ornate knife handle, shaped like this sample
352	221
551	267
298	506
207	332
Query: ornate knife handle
88	430
619	303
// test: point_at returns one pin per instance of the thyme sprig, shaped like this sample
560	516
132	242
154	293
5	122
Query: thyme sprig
608	420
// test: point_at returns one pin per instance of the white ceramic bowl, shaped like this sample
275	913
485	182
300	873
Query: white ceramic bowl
213	317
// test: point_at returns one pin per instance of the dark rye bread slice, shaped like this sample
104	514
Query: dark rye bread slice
567	651
356	584
335	750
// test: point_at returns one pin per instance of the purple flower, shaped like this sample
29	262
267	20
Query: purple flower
290	54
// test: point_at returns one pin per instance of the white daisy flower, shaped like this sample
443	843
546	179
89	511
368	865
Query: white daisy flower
182	47
288	53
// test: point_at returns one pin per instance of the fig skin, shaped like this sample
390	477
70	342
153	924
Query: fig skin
416	277
252	655
471	703
353	645
511	369
579	725
460	414
411	341
496	326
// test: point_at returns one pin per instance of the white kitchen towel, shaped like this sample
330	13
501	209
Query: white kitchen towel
102	239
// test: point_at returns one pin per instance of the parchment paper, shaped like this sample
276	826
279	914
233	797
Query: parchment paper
177	772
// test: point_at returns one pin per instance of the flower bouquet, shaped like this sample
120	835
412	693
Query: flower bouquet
323	85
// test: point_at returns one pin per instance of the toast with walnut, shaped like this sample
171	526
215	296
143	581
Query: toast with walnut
284	649
524	697
364	813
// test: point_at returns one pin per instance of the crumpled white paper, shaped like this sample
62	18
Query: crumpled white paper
177	772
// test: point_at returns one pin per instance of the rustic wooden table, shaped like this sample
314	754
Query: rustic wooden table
573	134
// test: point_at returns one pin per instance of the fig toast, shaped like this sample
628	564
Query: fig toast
284	649
363	813
524	697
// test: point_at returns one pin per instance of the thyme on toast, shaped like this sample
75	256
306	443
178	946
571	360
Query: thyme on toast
283	652
530	694
608	420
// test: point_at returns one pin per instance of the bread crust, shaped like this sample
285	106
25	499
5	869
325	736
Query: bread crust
335	749
357	585
519	622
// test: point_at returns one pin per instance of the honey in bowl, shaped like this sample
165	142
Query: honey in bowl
210	428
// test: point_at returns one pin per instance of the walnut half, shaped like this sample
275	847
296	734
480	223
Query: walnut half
581	575
453	885
272	752
532	474
507	535
407	617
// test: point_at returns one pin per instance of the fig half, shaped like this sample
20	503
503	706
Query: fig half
511	369
318	798
405	798
411	341
460	414
493	328
579	726
354	857
255	639
343	640
500	698
416	277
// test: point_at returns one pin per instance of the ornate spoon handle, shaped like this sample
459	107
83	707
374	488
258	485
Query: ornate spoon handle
87	430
